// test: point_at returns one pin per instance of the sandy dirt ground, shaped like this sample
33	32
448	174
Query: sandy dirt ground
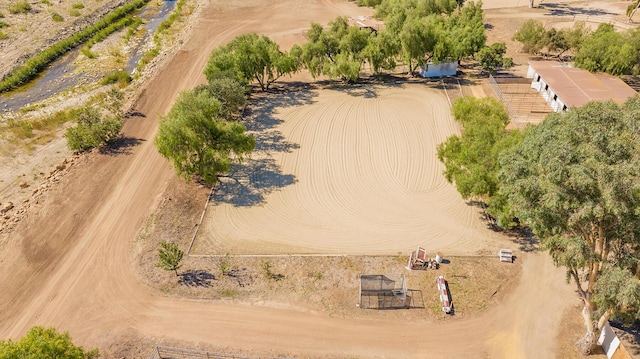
70	263
348	170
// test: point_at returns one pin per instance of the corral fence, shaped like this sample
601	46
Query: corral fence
161	352
498	91
524	104
598	19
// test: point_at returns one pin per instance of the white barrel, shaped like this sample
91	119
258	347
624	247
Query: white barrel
439	257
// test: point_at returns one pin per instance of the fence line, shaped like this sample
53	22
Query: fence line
161	352
591	18
512	113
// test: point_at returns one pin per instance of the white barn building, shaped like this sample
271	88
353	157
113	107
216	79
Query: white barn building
564	87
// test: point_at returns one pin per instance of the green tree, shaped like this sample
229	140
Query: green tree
251	57
574	180
41	343
381	51
339	52
470	159
93	129
531	36
492	57
231	94
198	141
607	50
170	256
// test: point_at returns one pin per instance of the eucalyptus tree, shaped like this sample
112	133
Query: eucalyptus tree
575	181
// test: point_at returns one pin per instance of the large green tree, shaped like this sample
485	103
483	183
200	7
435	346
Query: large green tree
607	50
531	36
492	57
44	343
575	180
230	93
471	159
338	52
251	57
198	141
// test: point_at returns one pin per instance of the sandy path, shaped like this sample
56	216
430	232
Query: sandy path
71	258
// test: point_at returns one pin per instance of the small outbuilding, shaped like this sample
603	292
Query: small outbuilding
440	69
563	86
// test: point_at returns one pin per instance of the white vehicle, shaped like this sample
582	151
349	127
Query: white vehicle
445	298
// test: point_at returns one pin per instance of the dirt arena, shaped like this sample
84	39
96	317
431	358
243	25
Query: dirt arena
345	170
337	171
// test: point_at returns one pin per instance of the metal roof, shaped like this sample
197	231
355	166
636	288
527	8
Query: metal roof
575	87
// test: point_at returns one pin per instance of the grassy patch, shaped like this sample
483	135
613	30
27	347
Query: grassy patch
121	77
228	293
177	15
3	24
77	5
46	2
40	61
19	7
57	17
3	36
35	131
87	52
74	12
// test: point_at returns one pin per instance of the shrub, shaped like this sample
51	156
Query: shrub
92	130
57	17
19	7
46	2
78	5
3	36
3	24
74	12
122	77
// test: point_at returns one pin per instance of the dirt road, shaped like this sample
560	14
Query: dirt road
69	264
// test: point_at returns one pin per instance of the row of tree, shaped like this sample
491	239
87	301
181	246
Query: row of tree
574	180
415	33
603	50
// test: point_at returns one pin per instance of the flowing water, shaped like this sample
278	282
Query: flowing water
62	75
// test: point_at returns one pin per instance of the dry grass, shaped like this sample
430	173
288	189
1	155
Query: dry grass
326	284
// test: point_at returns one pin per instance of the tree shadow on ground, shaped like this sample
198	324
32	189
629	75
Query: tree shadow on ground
568	10
365	87
249	183
522	236
196	278
121	146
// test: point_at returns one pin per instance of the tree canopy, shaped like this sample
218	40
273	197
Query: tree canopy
44	343
251	57
198	140
492	57
574	179
607	50
471	159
